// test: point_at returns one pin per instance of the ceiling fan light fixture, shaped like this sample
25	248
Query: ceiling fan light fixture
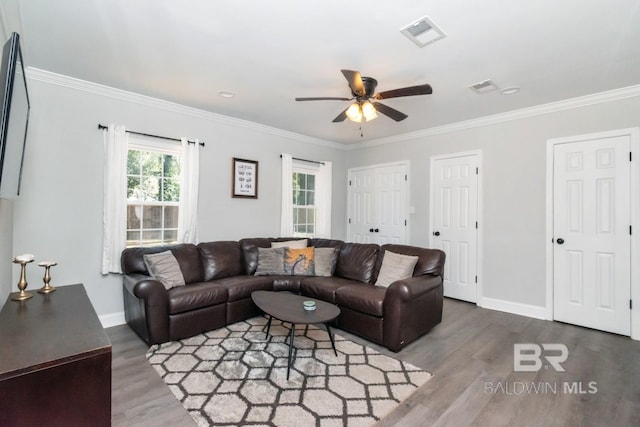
354	112
369	111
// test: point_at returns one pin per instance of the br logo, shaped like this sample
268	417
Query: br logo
527	357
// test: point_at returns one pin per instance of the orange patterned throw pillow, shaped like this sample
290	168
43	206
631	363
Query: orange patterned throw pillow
299	261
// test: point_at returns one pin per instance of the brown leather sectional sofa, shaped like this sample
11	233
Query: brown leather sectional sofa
220	278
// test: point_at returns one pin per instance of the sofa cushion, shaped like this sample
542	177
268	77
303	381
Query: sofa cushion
430	261
188	257
221	259
323	288
395	267
287	283
249	249
362	298
196	295
299	261
164	267
240	287
325	261
357	261
319	242
270	262
132	260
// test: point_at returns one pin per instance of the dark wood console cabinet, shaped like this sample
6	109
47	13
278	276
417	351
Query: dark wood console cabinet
55	361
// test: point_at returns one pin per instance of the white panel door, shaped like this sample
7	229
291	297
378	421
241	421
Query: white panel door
592	242
361	205
378	205
390	197
455	215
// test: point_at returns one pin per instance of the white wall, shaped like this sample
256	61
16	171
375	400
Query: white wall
9	22
513	152
6	248
59	214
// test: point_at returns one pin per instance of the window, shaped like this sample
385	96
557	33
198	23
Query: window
153	193
304	203
306	198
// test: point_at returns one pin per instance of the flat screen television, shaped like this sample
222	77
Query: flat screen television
14	118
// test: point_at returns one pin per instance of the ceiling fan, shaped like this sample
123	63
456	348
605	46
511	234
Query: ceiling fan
366	105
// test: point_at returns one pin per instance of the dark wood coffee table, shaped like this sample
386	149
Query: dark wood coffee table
288	308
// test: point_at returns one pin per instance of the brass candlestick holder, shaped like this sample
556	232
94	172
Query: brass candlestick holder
47	288
23	260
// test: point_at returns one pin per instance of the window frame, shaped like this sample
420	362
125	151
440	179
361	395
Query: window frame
156	146
306	169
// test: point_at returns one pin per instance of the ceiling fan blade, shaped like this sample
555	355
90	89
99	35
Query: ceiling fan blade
323	98
355	81
341	116
391	112
405	91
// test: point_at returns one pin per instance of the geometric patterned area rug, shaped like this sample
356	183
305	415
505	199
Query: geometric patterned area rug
235	376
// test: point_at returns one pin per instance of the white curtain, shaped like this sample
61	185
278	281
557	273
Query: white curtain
286	214
189	187
114	216
323	201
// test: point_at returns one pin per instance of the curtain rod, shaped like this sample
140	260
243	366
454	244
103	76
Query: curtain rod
100	126
305	160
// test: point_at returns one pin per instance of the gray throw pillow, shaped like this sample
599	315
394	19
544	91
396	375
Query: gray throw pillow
326	260
270	261
395	267
164	267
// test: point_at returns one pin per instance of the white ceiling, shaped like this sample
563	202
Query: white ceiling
269	52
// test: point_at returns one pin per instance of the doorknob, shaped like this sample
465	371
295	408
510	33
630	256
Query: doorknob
560	241
377	230
371	230
436	233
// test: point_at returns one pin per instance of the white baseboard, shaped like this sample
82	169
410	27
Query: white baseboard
514	308
112	319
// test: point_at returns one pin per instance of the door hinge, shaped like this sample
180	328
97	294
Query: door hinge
349	220
629	230
476	171
349	182
476	225
630	304
405	222
476	279
629	155
405	177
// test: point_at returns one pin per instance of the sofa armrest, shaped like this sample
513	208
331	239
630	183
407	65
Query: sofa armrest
145	287
146	307
411	308
413	287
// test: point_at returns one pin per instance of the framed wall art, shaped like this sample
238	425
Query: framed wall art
244	178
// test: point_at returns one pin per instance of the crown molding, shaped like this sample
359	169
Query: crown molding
552	107
148	101
107	91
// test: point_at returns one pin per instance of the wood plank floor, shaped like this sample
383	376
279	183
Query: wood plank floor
471	356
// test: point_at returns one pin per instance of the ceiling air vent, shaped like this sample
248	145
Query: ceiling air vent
423	32
483	87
